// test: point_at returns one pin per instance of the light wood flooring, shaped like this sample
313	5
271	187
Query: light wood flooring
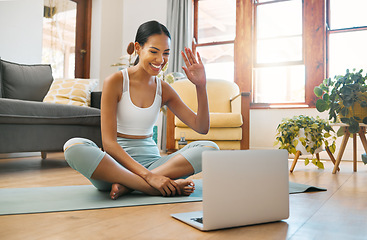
338	213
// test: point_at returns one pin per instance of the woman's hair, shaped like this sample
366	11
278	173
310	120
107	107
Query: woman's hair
148	29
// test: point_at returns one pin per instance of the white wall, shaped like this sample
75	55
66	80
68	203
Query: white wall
114	25
136	12
106	37
21	30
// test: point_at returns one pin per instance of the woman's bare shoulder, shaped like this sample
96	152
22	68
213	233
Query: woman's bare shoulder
168	93
165	86
114	79
112	86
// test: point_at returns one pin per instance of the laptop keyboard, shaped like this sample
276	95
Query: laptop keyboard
199	220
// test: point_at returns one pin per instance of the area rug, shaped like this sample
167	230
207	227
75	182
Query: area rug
83	197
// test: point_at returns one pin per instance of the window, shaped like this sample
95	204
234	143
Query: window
59	28
214	34
66	37
347	36
278	64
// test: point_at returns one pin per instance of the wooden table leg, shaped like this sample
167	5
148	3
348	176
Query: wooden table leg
354	152
342	149
362	136
332	158
298	153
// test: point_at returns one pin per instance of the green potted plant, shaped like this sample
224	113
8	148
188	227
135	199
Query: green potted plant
345	97
307	135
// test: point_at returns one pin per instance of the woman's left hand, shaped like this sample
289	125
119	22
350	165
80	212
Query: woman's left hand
194	69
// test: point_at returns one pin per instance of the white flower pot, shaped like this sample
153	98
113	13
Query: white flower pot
301	148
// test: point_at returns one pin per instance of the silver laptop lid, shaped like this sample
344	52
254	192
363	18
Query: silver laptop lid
244	187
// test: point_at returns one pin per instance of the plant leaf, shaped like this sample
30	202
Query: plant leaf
344	111
327	135
321	105
326	97
332	148
307	161
353	126
293	151
318	91
363	104
340	132
320	165
345	120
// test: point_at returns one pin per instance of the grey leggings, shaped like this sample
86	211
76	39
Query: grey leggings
83	155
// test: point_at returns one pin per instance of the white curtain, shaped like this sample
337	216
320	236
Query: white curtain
179	23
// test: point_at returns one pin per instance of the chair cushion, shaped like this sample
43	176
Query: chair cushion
223	145
71	91
213	134
30	112
25	82
222	120
1	82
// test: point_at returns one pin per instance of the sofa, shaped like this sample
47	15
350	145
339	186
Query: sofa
27	124
226	120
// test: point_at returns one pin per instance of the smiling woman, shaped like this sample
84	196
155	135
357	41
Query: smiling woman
130	104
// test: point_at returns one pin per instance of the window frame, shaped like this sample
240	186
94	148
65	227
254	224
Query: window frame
280	64
195	42
336	30
314	48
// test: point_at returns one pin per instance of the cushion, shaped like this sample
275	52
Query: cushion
25	82
13	111
71	91
213	134
1	82
223	145
219	120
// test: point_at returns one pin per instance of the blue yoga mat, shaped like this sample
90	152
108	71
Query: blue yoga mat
83	197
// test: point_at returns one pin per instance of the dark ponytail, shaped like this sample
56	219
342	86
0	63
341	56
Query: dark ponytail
148	29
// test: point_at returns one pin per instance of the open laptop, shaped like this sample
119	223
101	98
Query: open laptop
241	187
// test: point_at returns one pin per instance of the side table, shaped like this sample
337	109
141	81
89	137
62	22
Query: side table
362	136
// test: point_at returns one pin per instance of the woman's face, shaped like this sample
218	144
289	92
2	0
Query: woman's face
154	54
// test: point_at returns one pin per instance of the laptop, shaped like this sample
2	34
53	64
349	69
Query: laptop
241	187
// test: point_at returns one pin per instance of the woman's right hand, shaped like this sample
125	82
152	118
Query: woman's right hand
164	185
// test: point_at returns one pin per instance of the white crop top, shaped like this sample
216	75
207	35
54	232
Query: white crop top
133	120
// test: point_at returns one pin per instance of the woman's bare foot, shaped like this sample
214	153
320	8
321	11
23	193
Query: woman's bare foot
118	190
187	186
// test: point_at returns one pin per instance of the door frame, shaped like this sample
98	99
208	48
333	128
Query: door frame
83	38
243	63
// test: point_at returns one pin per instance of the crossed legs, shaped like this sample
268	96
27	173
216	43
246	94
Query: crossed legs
124	181
103	171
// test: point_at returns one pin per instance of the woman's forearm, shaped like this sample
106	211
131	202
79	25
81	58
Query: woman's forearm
202	118
119	154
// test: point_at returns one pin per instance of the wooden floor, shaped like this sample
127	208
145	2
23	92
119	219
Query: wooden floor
339	213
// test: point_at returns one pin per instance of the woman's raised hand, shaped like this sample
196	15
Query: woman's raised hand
194	69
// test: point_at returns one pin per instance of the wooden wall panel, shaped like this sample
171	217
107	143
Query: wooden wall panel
315	46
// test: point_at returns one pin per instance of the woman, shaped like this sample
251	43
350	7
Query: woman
131	100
